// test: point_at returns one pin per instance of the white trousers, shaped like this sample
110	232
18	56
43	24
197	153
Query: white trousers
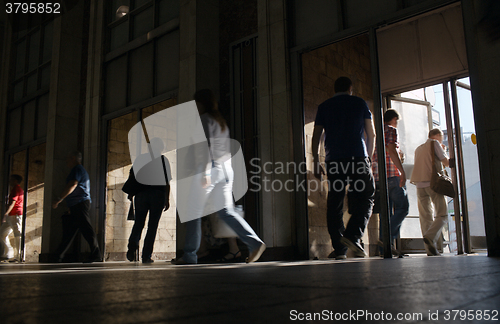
431	226
12	223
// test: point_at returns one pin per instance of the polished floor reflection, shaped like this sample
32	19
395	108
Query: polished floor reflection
263	292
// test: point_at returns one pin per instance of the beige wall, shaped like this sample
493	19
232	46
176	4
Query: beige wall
320	69
34	203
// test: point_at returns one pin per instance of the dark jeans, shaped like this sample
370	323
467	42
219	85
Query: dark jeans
398	206
361	191
151	201
78	220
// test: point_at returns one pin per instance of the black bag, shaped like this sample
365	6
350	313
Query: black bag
440	181
131	186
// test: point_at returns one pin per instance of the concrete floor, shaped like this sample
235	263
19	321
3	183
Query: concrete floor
267	292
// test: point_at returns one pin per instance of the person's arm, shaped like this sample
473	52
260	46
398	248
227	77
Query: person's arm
441	154
370	137
317	169
11	205
70	187
393	153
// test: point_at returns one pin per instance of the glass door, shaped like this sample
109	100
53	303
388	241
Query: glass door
472	206
417	117
443	106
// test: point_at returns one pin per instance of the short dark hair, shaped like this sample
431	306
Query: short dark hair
77	155
17	177
435	131
342	84
390	114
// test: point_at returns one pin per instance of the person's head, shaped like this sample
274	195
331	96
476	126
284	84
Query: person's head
343	84
391	117
157	146
207	103
436	134
15	179
74	158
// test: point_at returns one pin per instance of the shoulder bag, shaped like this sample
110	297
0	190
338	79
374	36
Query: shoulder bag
440	181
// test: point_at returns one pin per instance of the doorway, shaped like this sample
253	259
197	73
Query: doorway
421	110
423	73
117	226
320	68
29	163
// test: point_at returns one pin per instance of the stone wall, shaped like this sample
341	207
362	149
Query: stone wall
320	69
117	205
34	203
18	166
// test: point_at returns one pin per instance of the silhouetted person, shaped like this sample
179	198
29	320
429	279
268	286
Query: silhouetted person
216	181
149	198
12	220
77	196
346	119
421	178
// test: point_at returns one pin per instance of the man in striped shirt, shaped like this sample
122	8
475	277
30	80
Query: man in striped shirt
396	177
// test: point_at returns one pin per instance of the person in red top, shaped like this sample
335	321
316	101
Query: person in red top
12	220
396	177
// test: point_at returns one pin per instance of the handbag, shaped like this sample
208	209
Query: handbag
440	181
131	186
220	229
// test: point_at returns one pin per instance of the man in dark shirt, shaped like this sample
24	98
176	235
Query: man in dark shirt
77	196
349	143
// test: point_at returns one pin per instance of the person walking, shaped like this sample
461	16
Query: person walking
427	198
216	181
346	121
12	221
152	199
396	176
78	200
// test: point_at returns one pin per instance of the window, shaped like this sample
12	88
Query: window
130	19
32	52
140	68
30	79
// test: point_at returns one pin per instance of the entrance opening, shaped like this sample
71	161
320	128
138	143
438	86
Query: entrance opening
320	69
30	165
420	111
423	75
418	59
117	205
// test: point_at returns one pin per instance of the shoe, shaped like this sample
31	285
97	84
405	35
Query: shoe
395	252
355	247
131	255
234	258
334	255
179	261
431	246
255	254
93	259
148	260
